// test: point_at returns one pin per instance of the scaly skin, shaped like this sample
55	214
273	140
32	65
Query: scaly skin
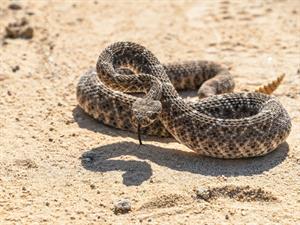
234	125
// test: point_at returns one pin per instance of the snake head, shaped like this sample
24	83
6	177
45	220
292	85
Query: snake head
145	112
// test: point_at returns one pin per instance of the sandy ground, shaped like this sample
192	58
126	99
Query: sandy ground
58	166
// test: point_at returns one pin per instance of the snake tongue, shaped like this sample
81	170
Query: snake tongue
139	133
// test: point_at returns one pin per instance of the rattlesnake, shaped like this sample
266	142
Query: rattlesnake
231	125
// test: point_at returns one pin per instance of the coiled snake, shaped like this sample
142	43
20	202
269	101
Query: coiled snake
230	125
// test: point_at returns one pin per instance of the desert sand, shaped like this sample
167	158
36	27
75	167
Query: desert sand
59	166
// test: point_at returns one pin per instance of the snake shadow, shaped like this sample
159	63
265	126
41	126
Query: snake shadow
100	159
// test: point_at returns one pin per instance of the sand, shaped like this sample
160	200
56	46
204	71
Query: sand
59	166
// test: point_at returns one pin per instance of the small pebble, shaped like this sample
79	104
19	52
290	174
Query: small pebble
14	6
87	159
122	206
30	13
243	213
19	29
15	68
203	193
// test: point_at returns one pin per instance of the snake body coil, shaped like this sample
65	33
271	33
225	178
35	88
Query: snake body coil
232	125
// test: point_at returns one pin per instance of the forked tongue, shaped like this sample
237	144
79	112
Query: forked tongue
139	133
